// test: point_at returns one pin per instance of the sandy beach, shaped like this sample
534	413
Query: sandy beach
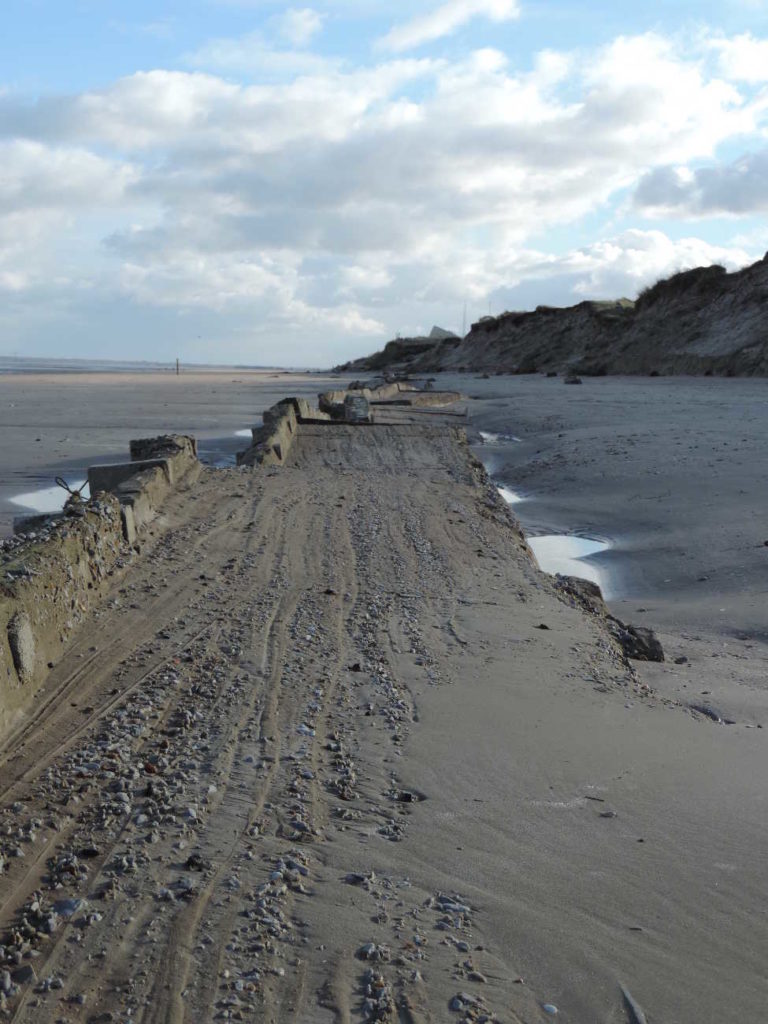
56	424
673	473
334	748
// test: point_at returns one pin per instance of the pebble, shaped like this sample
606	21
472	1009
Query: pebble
374	952
67	908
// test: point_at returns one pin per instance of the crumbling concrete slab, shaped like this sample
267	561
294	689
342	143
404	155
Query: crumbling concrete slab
109	477
357	409
128	520
21	640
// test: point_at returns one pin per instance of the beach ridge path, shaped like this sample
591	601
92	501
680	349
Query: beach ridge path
309	755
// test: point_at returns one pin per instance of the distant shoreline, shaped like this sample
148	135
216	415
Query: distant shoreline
12	365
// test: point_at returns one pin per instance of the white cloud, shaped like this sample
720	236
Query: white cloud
38	176
445	20
336	201
298	25
742	58
625	264
614	267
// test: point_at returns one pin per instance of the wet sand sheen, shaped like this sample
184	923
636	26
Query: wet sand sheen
561	553
565	554
49	499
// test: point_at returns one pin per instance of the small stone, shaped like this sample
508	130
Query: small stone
24	974
549	1008
67	908
373	952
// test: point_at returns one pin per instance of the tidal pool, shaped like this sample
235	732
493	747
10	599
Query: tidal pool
489	438
562	552
47	499
565	554
511	497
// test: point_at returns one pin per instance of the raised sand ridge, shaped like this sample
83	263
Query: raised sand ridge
313	758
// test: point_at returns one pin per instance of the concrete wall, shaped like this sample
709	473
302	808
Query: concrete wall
273	441
158	464
421	398
332	402
396	393
52	574
46	587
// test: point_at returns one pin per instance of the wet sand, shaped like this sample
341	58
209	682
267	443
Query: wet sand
673	470
674	473
349	649
59	424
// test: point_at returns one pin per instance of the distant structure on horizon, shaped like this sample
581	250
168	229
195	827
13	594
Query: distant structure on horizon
699	321
440	334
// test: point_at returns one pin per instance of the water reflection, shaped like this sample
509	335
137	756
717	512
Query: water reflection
511	497
47	499
565	554
489	438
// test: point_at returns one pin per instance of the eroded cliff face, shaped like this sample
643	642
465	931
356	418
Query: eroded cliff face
702	321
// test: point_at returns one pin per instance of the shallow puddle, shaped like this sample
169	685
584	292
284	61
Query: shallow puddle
221	452
561	553
47	499
489	438
564	553
511	497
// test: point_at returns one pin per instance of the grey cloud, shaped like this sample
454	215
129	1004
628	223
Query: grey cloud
740	187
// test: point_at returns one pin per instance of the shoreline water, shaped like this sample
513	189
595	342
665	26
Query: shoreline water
566	554
676	468
34	366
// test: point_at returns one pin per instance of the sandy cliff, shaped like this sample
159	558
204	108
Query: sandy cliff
702	321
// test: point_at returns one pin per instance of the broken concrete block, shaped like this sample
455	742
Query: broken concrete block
21	641
129	523
165	446
109	477
357	409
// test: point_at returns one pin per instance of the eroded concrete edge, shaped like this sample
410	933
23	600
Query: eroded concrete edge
49	581
273	441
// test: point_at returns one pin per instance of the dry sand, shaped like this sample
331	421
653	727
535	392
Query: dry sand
328	681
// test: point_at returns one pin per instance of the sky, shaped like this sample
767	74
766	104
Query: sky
262	183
